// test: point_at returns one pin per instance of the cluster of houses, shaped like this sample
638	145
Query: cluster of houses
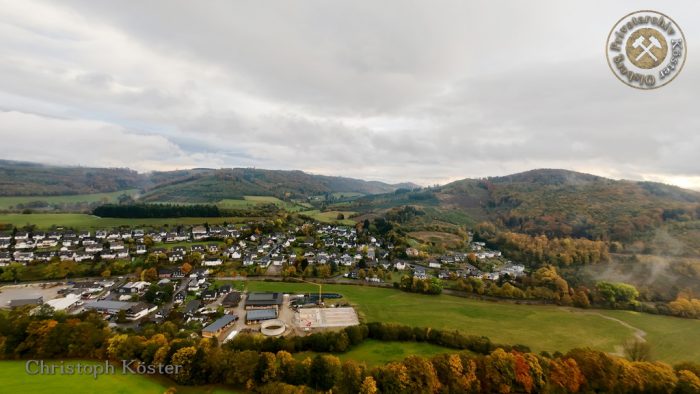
24	247
262	250
331	244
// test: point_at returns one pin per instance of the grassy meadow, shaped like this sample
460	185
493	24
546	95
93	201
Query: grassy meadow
330	216
541	327
374	353
14	379
446	240
251	201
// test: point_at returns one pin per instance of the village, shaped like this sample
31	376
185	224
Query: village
193	275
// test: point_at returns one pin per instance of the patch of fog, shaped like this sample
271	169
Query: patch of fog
665	242
647	270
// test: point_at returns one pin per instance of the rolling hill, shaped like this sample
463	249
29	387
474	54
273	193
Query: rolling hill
544	201
31	179
552	202
193	185
215	185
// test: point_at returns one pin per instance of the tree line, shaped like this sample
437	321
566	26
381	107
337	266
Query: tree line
488	370
413	284
349	337
156	211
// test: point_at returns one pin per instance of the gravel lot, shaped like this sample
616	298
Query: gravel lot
14	292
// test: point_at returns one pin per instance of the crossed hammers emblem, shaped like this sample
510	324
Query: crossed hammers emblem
639	43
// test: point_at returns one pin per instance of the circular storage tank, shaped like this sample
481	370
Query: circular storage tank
273	328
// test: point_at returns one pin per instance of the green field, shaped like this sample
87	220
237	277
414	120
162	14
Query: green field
14	379
251	201
540	327
673	339
374	353
85	221
9	202
330	216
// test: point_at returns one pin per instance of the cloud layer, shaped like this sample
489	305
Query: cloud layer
426	92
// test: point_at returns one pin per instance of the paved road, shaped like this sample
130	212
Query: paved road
239	324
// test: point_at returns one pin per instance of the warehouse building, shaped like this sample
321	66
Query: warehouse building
258	315
263	300
218	326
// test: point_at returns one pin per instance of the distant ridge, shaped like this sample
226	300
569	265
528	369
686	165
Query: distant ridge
198	184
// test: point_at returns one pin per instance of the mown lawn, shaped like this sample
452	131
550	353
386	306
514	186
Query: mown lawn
540	327
14	379
85	221
374	353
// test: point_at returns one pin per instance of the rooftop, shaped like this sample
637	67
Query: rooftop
220	323
264	299
261	314
119	305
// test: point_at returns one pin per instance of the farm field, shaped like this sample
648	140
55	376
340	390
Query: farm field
85	221
374	353
9	202
330	216
250	201
541	327
14	379
438	238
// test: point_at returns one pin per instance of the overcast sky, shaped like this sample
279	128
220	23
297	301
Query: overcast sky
428	91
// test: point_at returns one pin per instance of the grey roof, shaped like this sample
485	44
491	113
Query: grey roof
192	306
220	323
118	305
233	298
264	299
26	301
261	314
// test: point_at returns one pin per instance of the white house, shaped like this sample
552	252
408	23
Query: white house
211	261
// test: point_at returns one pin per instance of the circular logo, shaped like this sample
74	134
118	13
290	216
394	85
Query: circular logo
646	49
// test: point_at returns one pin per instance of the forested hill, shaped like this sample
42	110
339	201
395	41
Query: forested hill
552	202
24	179
192	185
215	185
565	203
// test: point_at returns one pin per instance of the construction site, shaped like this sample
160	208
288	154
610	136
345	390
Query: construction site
280	314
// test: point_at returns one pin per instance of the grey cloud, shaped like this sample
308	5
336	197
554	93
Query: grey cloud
396	91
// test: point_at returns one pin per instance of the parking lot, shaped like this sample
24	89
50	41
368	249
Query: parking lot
48	291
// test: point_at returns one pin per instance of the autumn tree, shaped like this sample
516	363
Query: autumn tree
266	370
353	375
184	359
423	377
564	376
637	350
369	386
392	378
149	275
326	371
688	383
457	374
